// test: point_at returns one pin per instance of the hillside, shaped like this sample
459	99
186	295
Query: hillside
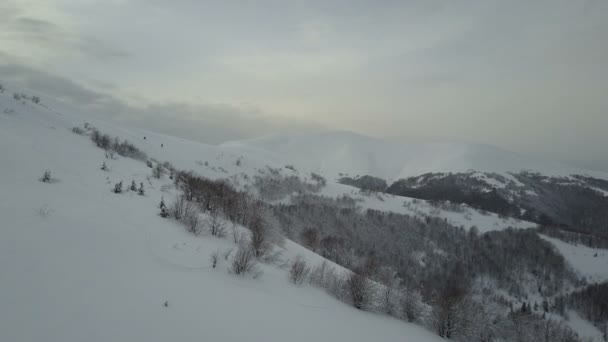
80	262
337	153
83	262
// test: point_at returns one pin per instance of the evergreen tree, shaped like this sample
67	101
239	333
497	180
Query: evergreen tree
118	188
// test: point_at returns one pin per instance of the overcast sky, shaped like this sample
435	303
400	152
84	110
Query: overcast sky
529	76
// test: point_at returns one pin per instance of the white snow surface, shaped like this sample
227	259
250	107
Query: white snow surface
589	262
584	328
80	263
335	152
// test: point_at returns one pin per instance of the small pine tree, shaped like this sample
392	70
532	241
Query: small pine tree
118	188
164	213
133	186
46	177
104	167
141	191
162	203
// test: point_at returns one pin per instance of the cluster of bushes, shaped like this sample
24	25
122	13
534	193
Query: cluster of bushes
224	207
123	148
110	144
21	96
118	188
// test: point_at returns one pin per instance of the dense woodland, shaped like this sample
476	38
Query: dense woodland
592	303
576	206
428	254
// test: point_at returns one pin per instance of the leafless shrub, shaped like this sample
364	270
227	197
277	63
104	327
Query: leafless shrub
157	171
324	276
387	291
359	288
178	207
244	260
236	234
411	305
299	271
310	238
259	237
216	224
192	219
78	130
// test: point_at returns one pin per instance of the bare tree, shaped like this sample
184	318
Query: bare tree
456	314
192	219
157	171
310	238
216	224
177	208
259	237
236	235
389	281
299	271
244	260
359	289
411	305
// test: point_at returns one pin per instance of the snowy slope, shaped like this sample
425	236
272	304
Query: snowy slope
80	263
589	262
333	153
221	162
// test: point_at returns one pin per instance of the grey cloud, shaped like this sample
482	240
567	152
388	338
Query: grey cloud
19	27
55	86
209	123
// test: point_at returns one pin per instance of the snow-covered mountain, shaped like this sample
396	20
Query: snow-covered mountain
80	262
337	152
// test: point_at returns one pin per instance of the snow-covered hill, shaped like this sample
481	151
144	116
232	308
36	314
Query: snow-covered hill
336	152
80	263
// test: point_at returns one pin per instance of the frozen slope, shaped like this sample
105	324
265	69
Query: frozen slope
80	263
336	152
